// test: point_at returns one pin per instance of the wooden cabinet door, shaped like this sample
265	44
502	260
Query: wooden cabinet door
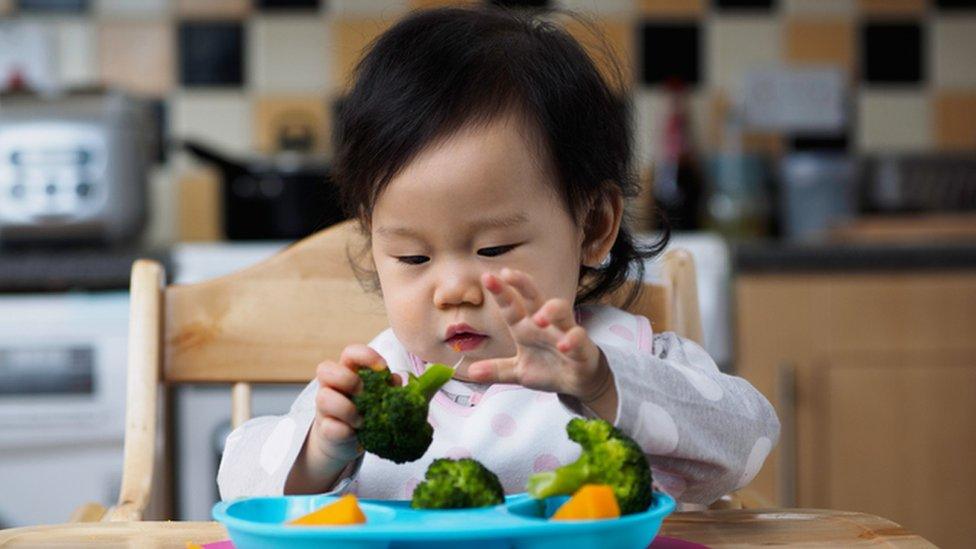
893	434
790	319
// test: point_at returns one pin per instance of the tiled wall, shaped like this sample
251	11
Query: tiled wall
235	71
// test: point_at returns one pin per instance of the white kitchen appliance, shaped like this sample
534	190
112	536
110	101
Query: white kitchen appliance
73	168
62	403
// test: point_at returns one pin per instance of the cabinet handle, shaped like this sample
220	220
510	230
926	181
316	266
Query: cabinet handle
786	394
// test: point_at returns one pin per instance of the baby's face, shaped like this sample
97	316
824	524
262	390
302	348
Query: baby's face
475	203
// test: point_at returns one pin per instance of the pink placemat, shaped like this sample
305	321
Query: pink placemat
660	542
664	542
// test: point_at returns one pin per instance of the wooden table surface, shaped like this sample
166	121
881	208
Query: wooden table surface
719	529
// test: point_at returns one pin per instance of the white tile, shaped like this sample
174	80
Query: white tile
222	119
648	106
30	46
894	120
288	53
737	44
382	8
825	7
599	7
953	50
132	8
161	227
77	52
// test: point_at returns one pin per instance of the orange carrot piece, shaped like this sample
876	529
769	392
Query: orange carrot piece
592	501
345	510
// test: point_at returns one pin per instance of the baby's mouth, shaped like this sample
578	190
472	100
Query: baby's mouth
465	341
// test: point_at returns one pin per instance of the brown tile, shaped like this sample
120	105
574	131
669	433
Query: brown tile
955	120
672	8
279	120
819	7
213	8
892	7
350	38
137	55
619	35
199	206
818	41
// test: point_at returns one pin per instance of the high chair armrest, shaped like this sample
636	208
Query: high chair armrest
88	512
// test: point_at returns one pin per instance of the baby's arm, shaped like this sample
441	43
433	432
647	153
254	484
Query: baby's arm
274	454
706	433
259	454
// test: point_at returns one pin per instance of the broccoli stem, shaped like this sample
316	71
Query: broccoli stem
431	380
564	480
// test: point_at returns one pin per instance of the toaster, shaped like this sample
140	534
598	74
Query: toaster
73	168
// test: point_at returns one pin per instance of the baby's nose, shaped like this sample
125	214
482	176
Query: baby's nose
457	288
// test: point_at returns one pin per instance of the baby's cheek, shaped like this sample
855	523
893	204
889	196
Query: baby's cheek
409	324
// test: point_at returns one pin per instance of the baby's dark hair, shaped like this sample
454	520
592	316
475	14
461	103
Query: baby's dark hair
438	71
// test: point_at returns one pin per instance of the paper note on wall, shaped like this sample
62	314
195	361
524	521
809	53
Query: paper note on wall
795	99
28	56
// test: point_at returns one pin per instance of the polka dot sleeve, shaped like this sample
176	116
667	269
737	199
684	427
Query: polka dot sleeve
706	433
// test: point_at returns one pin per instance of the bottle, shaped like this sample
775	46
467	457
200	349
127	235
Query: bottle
736	203
677	182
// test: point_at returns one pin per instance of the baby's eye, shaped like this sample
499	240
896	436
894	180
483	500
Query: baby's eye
495	250
413	259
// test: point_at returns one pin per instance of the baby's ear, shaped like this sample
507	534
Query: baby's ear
602	224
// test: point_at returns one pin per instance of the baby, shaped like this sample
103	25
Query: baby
487	161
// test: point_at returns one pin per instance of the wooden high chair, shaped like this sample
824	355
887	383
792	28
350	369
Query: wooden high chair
274	323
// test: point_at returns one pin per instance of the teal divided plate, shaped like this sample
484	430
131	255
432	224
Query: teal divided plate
519	522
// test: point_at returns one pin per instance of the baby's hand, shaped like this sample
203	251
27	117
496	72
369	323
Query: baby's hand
553	353
332	441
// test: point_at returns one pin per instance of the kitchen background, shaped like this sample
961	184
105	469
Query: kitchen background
817	156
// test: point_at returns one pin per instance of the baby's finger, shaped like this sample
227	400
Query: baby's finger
330	374
525	286
557	312
356	356
573	344
499	370
509	301
332	403
335	430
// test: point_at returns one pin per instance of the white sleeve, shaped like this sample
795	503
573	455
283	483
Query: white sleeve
706	433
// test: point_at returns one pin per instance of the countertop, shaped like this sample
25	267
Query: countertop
769	257
715	529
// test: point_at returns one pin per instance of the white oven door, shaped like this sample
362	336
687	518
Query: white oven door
62	403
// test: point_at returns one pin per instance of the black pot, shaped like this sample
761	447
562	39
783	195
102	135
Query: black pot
287	197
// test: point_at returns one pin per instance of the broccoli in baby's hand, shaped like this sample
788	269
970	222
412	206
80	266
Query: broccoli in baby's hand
457	484
395	418
609	457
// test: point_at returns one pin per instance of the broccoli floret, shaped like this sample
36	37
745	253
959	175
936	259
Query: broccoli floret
457	484
609	457
395	418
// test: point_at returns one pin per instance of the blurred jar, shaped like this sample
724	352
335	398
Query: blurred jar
738	204
817	191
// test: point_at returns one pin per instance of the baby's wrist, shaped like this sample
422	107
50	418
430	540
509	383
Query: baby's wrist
599	384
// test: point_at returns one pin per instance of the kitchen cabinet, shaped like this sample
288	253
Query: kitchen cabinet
873	375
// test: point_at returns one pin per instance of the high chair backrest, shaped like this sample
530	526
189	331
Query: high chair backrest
274	322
